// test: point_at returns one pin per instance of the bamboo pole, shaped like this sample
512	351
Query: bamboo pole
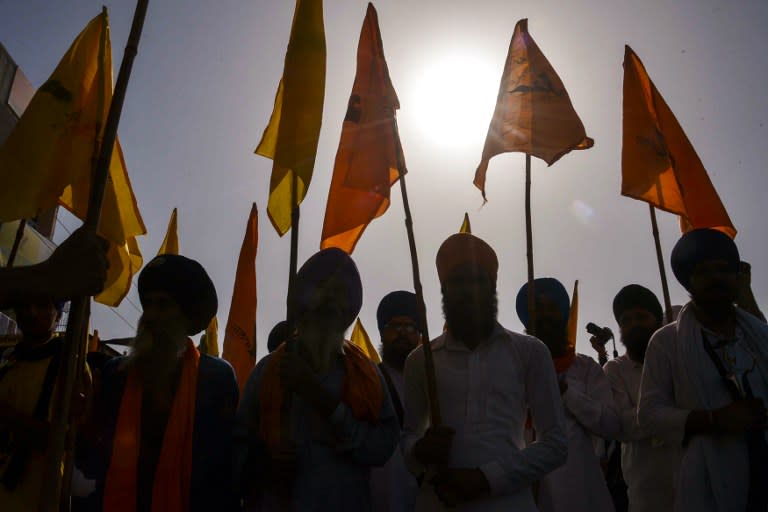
16	243
78	319
531	329
662	271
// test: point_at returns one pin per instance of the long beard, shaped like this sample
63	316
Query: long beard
396	352
636	342
472	318
157	351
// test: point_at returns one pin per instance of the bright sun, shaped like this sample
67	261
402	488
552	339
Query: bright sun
452	100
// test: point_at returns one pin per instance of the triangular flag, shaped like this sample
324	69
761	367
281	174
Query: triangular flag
49	155
292	134
573	317
170	243
209	341
533	114
465	226
658	162
361	339
240	334
369	153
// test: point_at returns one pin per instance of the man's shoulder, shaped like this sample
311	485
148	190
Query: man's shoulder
215	367
615	365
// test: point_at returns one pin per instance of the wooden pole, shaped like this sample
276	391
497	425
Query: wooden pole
16	243
531	329
662	271
78	319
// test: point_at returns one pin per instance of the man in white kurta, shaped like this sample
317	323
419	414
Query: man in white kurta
488	379
648	464
590	410
705	385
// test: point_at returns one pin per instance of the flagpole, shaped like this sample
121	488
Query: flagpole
531	329
16	243
660	258
78	320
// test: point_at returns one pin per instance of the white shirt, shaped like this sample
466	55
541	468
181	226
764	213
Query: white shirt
590	410
485	395
648	464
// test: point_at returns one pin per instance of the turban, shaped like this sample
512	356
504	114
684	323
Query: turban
399	303
701	245
636	296
277	335
548	287
187	283
322	267
465	249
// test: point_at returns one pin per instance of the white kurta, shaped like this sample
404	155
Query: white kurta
679	377
589	411
485	395
648	464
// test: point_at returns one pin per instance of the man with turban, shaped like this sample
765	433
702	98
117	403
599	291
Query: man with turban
315	414
648	463
166	411
393	487
488	381
589	406
705	383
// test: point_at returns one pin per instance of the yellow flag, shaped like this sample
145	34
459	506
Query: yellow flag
465	226
209	342
49	156
292	134
170	243
360	338
573	318
533	114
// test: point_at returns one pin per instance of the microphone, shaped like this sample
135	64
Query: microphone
603	334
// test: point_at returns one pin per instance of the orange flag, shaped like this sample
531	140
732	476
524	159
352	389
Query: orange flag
534	114
658	162
573	317
369	153
240	334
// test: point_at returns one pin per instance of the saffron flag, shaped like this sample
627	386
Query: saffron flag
49	155
573	317
209	342
292	134
361	340
465	226
240	333
170	243
369	159
658	162
533	114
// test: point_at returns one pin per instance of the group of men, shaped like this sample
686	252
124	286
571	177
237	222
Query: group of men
506	421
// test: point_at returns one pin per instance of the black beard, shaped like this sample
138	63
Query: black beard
471	319
157	353
636	342
393	355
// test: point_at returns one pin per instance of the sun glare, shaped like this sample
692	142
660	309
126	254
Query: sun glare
453	99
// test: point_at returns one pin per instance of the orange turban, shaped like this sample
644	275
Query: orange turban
465	249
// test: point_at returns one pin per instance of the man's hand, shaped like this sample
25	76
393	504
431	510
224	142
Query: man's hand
435	446
460	485
740	416
78	267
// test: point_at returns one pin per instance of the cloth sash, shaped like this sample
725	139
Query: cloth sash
361	391
170	491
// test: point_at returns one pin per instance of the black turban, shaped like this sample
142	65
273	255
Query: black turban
636	296
277	335
322	267
550	288
186	281
399	303
701	245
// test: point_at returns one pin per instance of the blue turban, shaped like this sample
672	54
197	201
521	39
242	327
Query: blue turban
550	288
701	245
188	284
399	303
321	268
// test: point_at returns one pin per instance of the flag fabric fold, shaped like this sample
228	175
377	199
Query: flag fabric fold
293	132
49	156
369	159
533	114
361	340
240	333
658	163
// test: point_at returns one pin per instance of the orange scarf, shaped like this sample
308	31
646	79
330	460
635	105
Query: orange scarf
170	492
562	363
361	391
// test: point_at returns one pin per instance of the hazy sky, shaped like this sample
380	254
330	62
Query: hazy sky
203	87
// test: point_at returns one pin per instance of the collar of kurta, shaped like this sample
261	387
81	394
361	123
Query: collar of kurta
451	343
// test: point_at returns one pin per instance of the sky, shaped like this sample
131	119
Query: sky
203	87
